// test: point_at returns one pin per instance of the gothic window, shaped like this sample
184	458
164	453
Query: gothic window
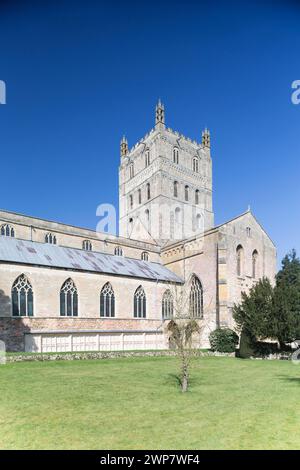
131	201
131	170
147	158
186	193
139	196
130	225
176	155
248	231
22	297
50	238
239	260
7	230
197	196
68	299
145	256
175	188
148	191
254	263
87	245
196	298
167	305
196	164
118	251
107	301
139	303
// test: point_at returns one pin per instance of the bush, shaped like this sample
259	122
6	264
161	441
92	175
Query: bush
223	340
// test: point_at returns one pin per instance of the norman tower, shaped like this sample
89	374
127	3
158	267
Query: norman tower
165	185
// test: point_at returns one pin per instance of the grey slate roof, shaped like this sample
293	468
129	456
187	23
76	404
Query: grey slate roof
43	254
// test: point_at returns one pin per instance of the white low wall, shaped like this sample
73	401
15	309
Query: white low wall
68	342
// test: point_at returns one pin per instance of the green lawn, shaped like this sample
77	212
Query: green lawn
136	404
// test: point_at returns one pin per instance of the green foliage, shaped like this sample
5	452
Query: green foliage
246	348
254	314
223	340
286	300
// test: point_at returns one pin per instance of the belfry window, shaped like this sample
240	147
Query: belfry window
196	298
196	164
147	158
176	155
22	297
197	196
107	301
145	256
139	301
50	238
7	230
68	299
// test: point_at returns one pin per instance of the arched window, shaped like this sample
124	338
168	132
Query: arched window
197	196
139	196
176	155
118	251
22	297
139	303
248	231
148	191
239	260
196	164
130	225
68	299
175	188
131	201
196	298
254	263
131	170
7	230
186	193
177	215
107	301
167	305
145	256
147	158
87	245
50	238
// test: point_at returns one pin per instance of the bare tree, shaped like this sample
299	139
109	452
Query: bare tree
184	332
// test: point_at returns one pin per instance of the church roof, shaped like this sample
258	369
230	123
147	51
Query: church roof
13	250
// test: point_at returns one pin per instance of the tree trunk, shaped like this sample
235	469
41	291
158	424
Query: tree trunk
185	377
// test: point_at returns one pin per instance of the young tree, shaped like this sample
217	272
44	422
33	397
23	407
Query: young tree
184	331
254	314
286	301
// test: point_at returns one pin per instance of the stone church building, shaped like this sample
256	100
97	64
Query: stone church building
66	288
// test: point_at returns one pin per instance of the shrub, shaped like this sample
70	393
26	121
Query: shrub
223	340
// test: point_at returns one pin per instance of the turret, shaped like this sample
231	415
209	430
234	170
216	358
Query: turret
160	115
124	147
206	138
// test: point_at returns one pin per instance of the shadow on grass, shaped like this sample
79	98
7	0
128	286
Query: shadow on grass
292	380
175	381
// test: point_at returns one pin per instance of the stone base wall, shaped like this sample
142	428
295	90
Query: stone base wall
13	330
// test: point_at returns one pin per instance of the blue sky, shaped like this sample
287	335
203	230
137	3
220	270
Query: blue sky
80	74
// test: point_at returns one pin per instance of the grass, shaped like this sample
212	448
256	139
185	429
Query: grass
135	403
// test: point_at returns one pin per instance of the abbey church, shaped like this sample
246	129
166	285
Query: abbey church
66	288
